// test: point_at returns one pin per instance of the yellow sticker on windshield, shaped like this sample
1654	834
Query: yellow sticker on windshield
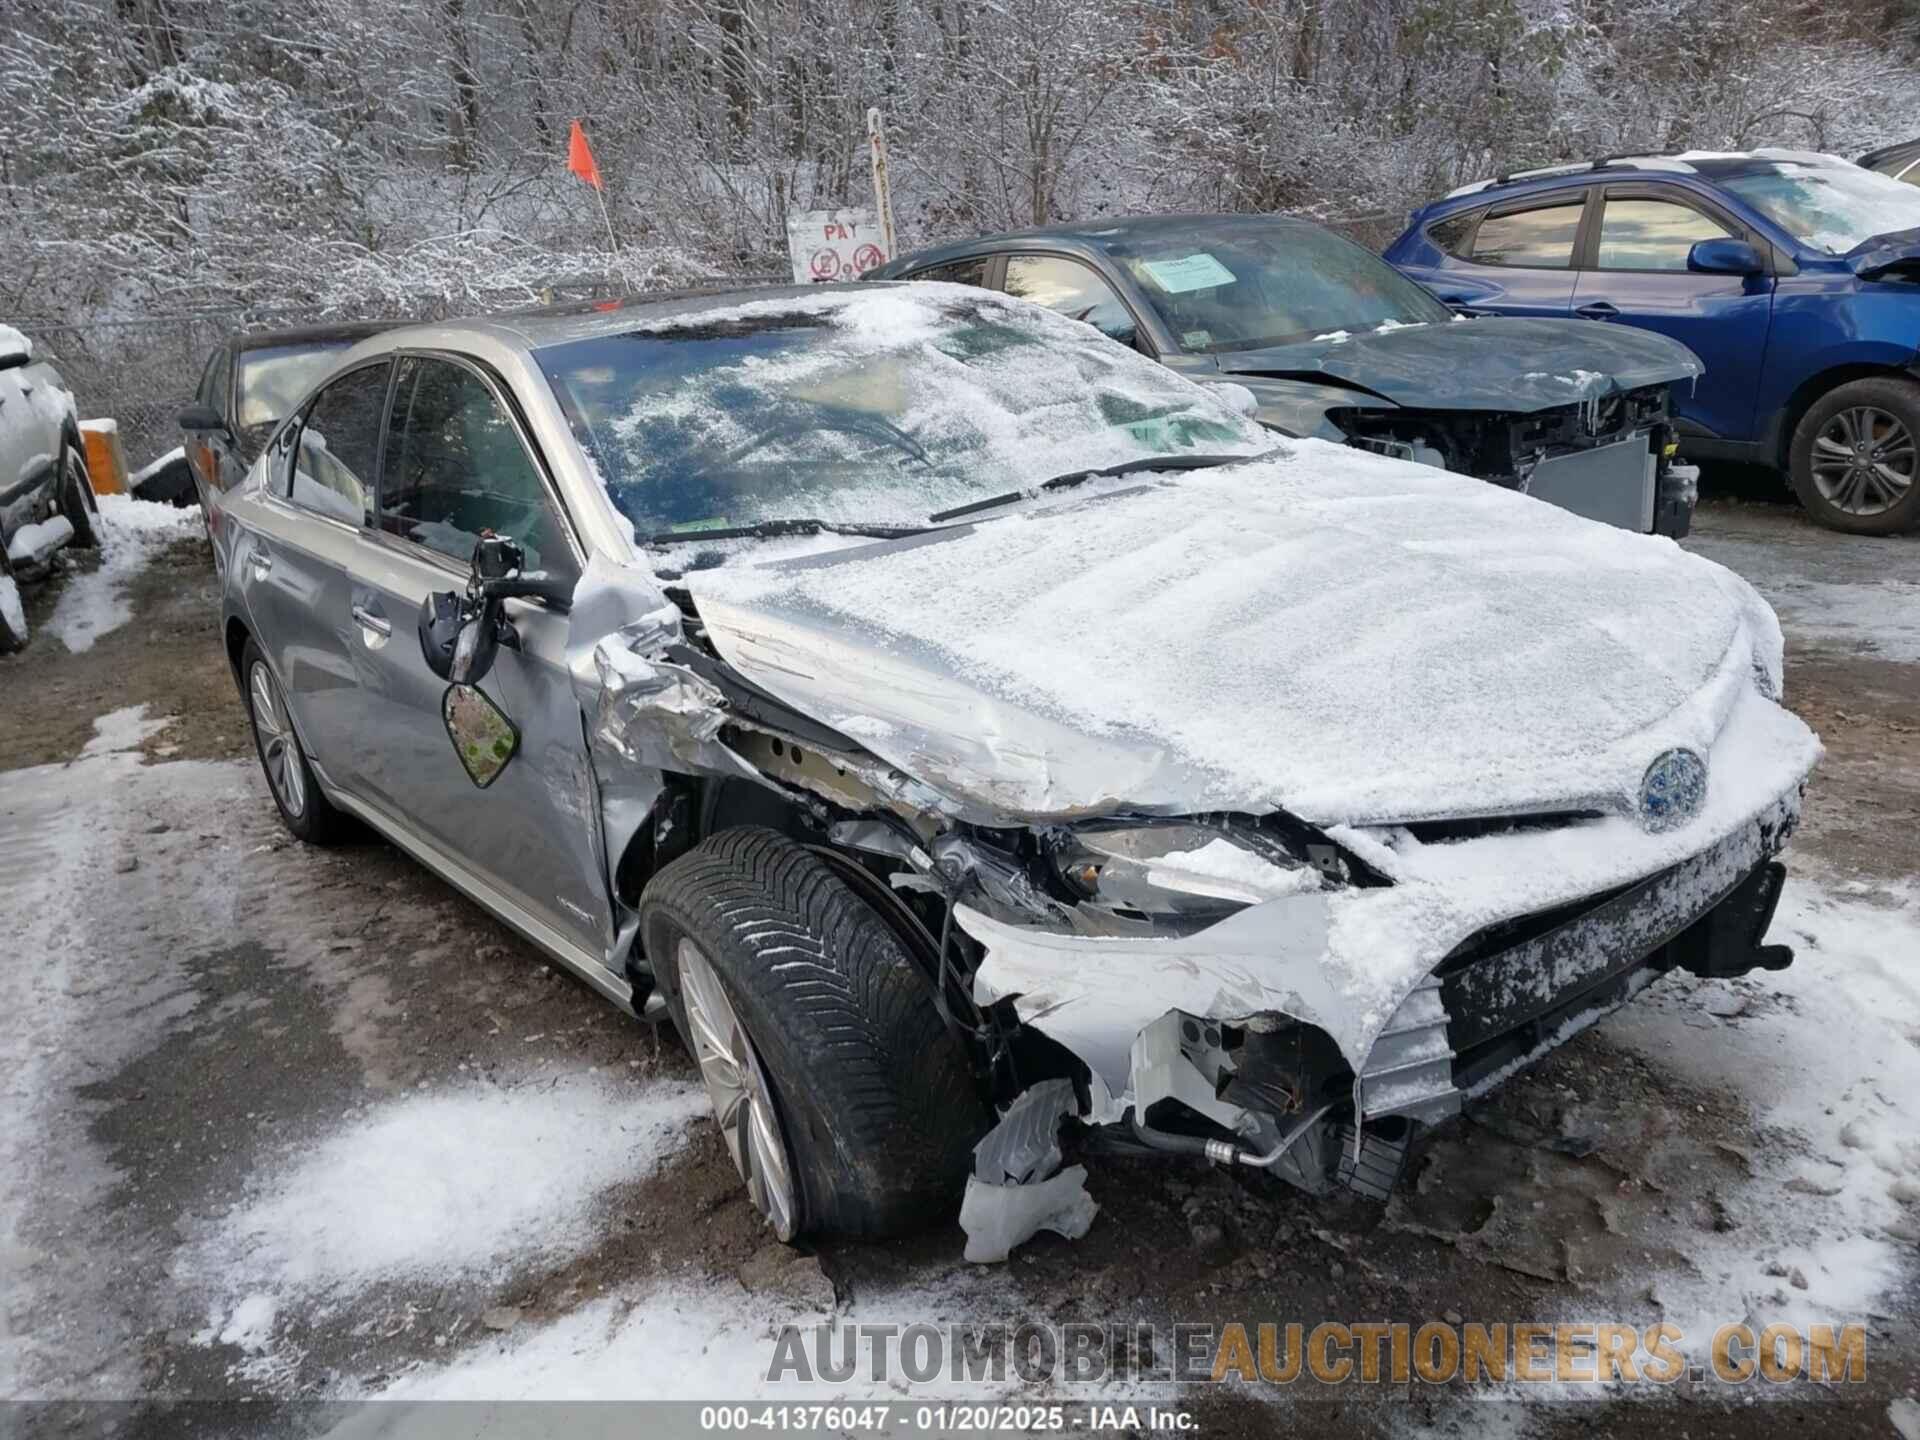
1195	272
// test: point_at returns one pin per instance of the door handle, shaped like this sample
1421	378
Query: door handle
261	559
376	623
1597	310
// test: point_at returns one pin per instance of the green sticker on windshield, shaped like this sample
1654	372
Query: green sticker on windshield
1196	272
693	527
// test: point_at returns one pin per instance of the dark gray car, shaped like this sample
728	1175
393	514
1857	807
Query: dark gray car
247	386
942	712
1334	343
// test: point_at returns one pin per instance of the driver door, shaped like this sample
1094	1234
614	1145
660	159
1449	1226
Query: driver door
454	464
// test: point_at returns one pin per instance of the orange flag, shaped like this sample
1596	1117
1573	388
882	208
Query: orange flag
580	156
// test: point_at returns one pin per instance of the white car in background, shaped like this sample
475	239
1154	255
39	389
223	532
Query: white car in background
46	495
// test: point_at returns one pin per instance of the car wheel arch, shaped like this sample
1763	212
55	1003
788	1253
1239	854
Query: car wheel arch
1807	394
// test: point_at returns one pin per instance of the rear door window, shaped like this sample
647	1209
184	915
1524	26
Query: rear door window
959	272
1642	234
456	468
1539	239
338	450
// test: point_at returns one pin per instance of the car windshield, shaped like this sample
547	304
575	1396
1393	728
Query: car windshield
1829	207
273	378
880	406
1243	285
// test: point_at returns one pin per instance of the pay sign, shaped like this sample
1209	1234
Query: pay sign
834	244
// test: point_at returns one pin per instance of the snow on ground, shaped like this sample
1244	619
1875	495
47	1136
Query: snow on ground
63	1026
440	1183
1826	1052
1822	595
93	603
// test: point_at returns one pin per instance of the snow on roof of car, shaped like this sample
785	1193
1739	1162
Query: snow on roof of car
13	342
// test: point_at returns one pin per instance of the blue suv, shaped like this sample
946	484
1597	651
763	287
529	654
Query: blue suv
1795	277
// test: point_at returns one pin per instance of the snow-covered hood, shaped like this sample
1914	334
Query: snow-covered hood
1493	363
1346	637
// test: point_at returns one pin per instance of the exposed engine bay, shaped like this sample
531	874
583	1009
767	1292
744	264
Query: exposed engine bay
1637	484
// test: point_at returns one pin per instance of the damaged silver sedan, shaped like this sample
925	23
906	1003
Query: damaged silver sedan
970	732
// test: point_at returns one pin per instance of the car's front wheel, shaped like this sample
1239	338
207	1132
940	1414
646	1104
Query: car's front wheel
307	813
1855	456
77	501
845	1103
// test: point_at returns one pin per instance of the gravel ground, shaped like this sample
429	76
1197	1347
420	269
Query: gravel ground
283	1125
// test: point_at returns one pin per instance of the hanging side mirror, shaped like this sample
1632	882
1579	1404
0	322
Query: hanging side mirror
483	737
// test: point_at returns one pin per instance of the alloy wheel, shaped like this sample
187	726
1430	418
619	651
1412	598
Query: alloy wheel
279	752
1864	460
737	1086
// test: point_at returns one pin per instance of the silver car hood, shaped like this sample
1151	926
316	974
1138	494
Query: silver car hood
1349	638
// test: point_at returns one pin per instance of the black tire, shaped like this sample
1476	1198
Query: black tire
77	501
12	636
1832	417
876	1103
309	817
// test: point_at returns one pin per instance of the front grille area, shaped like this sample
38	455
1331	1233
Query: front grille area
1511	1001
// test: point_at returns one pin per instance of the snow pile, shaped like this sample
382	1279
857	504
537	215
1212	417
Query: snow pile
12	342
94	604
11	610
1230	872
447	1182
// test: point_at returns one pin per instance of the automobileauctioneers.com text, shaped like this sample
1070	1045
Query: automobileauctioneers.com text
1563	1353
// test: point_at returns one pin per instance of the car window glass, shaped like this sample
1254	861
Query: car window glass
213	381
1250	282
1652	234
273	378
1911	174
1541	239
338	446
455	467
1072	289
1451	234
960	272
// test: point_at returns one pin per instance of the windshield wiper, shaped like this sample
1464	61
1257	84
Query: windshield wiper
772	529
1075	477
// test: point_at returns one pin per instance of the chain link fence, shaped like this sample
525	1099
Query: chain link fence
143	371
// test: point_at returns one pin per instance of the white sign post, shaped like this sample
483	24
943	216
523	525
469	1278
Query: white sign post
834	244
882	186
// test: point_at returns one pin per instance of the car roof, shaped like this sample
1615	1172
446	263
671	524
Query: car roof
346	331
1701	165
535	329
1097	235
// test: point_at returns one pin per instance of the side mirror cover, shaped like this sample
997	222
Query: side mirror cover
1724	257
439	626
